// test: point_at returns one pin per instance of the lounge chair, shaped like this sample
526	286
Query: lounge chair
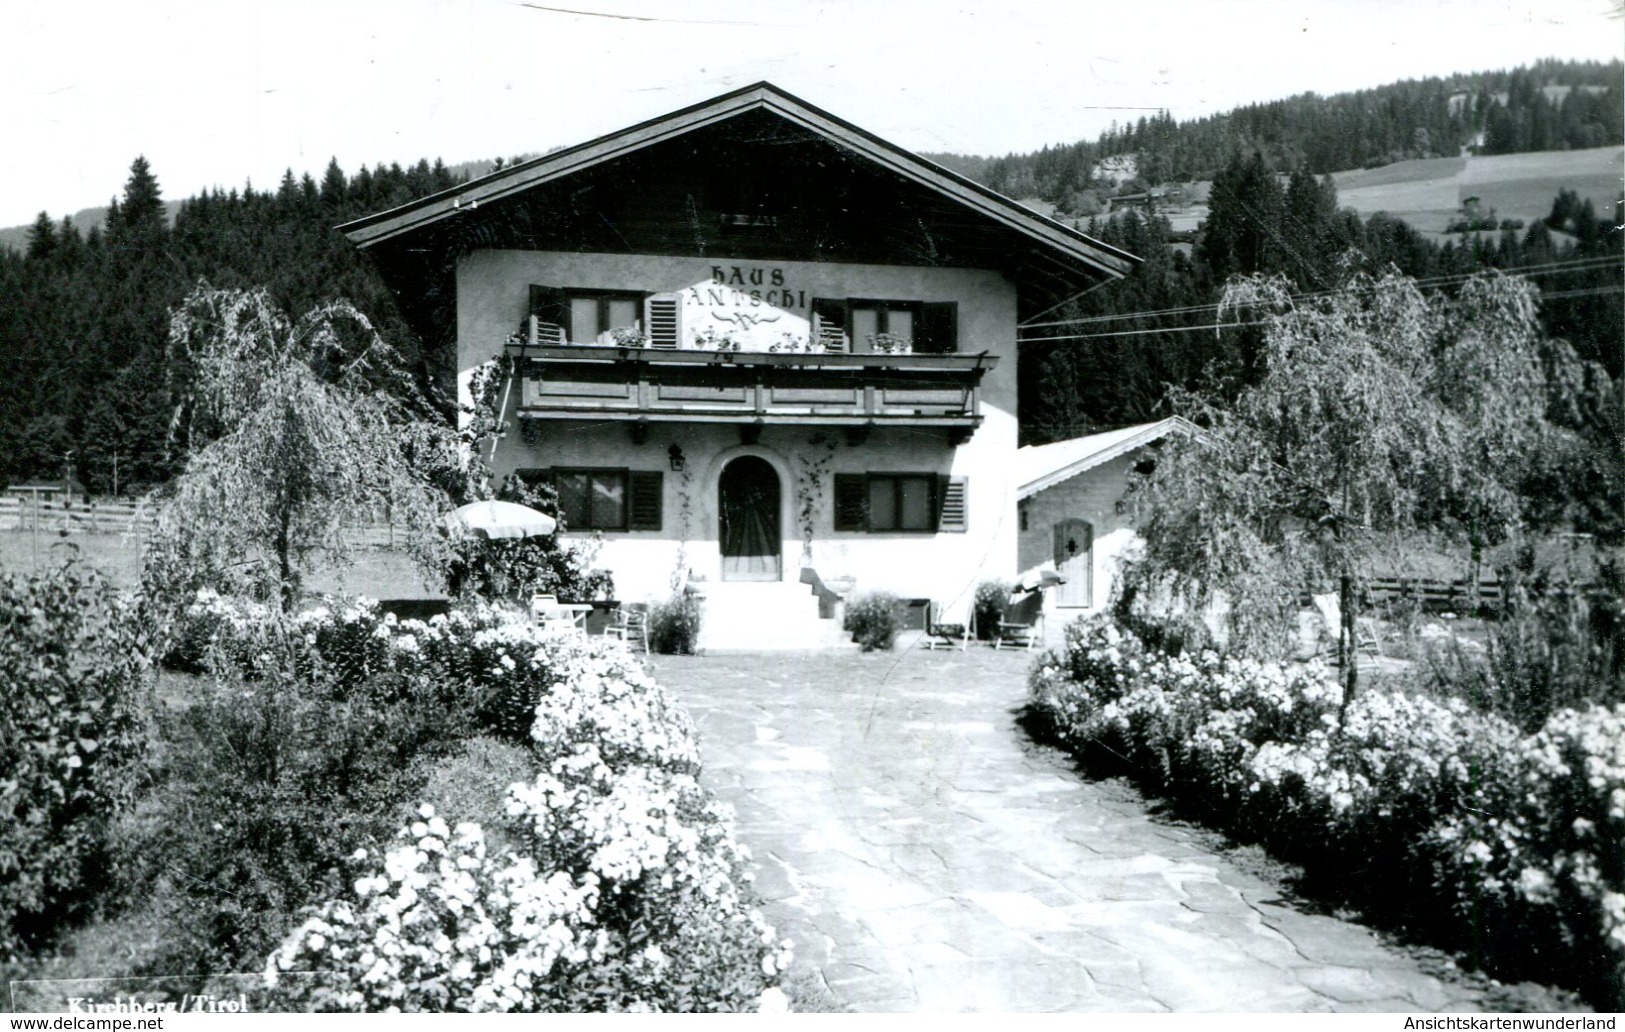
944	635
1331	618
1022	625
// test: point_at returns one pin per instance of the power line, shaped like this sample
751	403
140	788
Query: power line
1545	269
1217	326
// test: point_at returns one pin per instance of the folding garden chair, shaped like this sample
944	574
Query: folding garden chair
631	624
1331	618
1023	621
944	635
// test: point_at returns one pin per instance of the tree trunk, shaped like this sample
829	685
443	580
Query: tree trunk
1348	653
284	558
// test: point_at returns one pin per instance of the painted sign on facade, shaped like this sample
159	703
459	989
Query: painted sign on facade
746	307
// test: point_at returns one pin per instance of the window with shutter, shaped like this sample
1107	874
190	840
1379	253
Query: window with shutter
588	316
552	306
954	515
829	324
851	501
663	317
592	499
644	508
894	503
937	329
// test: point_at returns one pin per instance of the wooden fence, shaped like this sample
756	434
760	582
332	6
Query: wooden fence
75	516
1434	595
56	515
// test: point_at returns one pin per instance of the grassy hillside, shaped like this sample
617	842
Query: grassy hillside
1428	193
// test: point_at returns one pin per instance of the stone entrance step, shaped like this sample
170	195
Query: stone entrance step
765	615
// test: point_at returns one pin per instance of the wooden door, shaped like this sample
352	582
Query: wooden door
748	503
1075	560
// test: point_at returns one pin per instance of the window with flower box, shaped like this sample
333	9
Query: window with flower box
589	316
868	325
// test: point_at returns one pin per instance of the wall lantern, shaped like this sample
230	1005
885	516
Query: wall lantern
677	460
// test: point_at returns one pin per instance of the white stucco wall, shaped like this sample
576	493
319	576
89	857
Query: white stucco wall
1093	496
493	298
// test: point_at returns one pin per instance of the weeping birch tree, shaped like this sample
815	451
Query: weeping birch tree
1384	422
296	429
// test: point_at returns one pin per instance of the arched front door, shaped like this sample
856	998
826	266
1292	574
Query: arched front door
1075	560
748	501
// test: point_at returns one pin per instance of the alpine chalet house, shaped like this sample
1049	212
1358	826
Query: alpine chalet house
763	353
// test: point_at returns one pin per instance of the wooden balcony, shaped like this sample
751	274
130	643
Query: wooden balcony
856	392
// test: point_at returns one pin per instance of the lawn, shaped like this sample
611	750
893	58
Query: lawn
1400	172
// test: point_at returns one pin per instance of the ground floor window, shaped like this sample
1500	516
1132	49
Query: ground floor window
604	499
891	503
592	499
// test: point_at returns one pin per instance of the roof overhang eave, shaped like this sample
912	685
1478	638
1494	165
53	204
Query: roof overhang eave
1060	243
1153	432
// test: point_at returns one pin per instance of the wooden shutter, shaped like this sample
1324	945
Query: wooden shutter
644	505
851	501
953	514
551	305
937	332
829	323
663	321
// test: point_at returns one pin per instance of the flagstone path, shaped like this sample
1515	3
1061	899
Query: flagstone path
924	854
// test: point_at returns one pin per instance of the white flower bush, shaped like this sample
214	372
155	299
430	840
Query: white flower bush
1438	815
627	891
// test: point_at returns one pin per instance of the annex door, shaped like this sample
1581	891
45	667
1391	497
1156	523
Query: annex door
1075	560
748	500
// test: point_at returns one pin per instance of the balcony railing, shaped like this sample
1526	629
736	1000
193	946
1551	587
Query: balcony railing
591	382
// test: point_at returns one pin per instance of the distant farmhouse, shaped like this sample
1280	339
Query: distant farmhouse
762	350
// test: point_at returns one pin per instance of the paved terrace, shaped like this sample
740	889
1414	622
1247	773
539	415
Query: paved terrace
924	854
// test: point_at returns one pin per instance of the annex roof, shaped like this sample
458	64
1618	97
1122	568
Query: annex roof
1044	465
1070	257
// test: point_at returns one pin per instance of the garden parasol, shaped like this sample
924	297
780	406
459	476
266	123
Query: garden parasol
494	519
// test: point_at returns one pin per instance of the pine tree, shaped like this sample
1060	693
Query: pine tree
41	238
140	218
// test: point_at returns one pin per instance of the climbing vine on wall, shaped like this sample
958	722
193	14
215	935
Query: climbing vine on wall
685	515
810	472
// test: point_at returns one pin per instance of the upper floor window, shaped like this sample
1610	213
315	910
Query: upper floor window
587	316
869	325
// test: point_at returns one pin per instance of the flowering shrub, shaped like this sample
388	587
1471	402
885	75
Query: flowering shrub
872	620
211	622
71	731
1423	812
627	890
988	608
674	625
1541	852
305	744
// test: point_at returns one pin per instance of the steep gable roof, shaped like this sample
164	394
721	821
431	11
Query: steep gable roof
1068	260
1043	466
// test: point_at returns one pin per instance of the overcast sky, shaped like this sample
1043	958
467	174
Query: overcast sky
216	92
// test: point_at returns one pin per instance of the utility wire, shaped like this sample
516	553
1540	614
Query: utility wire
1217	326
1546	269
